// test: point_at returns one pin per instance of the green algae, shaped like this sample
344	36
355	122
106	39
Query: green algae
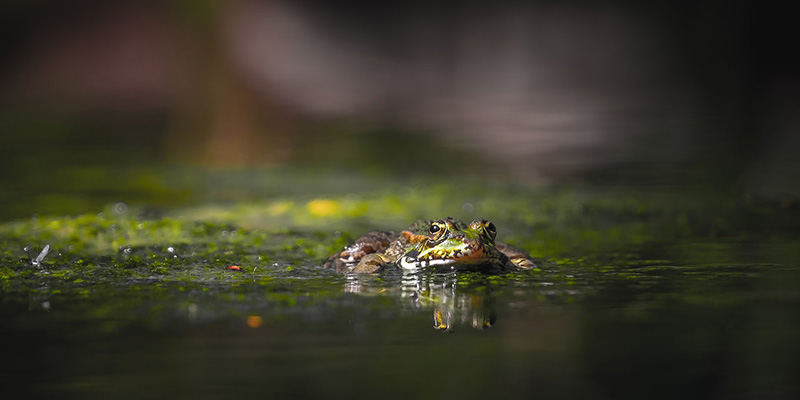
239	256
293	234
130	268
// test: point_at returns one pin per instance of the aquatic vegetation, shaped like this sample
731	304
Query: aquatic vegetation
581	239
560	225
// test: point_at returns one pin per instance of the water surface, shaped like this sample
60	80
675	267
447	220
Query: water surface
634	297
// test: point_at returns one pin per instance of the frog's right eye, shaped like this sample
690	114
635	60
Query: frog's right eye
435	228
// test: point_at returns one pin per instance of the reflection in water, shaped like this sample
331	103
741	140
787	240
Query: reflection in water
353	285
39	299
438	292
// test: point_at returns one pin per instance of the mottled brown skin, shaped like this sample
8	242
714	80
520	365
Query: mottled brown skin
372	251
516	256
375	250
374	243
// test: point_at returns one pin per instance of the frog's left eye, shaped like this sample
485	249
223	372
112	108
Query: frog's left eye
490	228
437	229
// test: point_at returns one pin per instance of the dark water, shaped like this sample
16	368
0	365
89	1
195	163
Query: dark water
636	296
604	326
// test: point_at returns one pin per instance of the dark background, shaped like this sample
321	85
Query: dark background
701	94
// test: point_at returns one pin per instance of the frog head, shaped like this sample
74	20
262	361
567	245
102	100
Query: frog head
450	244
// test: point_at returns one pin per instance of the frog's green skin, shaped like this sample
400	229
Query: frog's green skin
442	244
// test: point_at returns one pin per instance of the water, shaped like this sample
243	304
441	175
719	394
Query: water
637	294
605	326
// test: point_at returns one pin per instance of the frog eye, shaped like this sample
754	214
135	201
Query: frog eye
490	228
437	229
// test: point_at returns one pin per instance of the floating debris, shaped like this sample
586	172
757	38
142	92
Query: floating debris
38	260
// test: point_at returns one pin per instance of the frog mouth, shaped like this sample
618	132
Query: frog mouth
412	263
436	257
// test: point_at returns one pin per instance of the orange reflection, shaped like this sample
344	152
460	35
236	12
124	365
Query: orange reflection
254	321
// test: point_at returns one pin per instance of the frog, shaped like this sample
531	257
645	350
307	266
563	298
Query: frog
442	245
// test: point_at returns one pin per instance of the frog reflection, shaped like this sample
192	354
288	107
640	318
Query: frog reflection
451	308
439	293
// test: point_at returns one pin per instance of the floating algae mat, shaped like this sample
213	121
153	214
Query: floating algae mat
652	294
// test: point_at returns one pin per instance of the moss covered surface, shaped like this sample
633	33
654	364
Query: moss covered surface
287	237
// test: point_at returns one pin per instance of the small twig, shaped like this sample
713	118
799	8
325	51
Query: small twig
38	260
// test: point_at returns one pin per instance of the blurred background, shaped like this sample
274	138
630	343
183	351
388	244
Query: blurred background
100	100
